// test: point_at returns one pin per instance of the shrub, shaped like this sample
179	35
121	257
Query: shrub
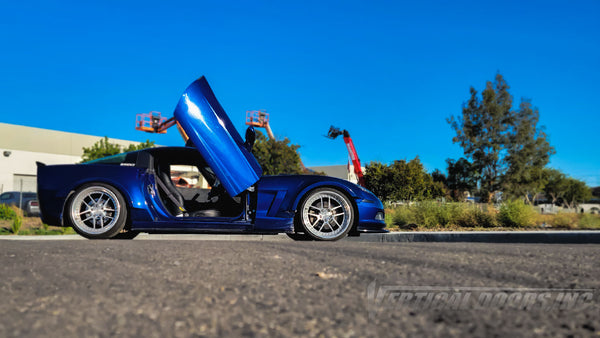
17	220
426	214
589	221
516	214
544	220
448	213
567	220
403	216
6	212
474	216
431	214
486	218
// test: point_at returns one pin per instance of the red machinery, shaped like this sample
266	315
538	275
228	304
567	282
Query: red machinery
335	132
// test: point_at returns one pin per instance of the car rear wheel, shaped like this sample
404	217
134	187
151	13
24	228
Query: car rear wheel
97	211
326	214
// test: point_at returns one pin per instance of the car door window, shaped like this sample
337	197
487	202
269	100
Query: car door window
187	176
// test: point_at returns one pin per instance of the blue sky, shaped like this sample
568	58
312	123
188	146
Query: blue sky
390	72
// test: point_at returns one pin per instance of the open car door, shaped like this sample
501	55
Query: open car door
210	129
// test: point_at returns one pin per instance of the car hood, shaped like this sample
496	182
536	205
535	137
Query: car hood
210	129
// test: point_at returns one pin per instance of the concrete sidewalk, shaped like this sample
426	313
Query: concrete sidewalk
564	237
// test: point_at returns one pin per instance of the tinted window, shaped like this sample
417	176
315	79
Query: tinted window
29	195
116	159
6	196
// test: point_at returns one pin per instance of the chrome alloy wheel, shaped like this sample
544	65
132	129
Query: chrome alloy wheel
327	214
95	210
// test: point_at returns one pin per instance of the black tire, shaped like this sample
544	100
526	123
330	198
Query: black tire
325	214
300	237
126	235
97	211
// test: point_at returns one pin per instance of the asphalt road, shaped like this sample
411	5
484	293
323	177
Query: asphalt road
163	288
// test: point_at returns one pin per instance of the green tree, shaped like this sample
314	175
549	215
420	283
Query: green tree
440	184
140	146
507	148
555	184
576	192
276	156
562	188
402	181
528	153
596	191
462	178
377	179
104	148
482	130
438	176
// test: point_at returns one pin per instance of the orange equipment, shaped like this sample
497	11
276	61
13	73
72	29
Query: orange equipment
153	122
259	119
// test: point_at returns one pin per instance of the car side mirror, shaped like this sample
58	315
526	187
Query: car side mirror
250	138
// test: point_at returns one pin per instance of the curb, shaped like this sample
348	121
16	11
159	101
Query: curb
549	237
543	237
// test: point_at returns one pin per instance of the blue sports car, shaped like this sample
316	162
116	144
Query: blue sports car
143	191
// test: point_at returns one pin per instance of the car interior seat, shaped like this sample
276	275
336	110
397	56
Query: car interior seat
173	199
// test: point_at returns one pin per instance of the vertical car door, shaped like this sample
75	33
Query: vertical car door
210	129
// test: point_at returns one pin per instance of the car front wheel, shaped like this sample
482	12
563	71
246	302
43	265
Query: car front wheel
97	211
326	214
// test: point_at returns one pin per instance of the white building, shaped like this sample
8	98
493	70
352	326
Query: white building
21	147
343	171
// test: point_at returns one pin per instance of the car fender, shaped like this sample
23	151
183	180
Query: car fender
343	187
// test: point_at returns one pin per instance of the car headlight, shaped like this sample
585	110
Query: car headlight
380	216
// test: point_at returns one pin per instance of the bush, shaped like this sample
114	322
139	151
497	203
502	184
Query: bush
6	212
474	216
17	221
589	221
545	220
513	214
431	214
448	213
567	220
427	214
403	216
516	214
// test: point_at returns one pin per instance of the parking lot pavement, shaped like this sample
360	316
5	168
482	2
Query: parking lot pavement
158	288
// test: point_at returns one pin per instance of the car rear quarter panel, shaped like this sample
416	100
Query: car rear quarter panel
56	183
